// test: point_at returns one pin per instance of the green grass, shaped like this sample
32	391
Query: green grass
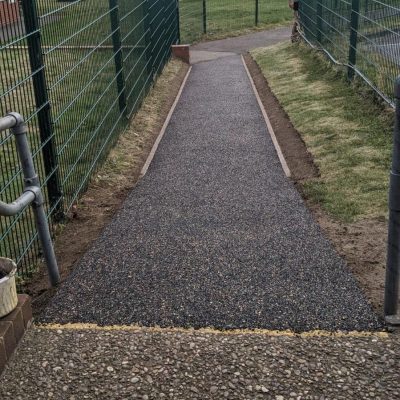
348	134
229	17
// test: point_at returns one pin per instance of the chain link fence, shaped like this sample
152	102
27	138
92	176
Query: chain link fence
363	35
76	70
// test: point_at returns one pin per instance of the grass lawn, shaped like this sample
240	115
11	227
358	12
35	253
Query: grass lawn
229	17
349	136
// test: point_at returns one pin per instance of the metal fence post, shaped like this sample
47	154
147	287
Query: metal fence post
204	17
256	16
354	19
148	39
319	21
393	251
118	58
178	23
50	159
366	6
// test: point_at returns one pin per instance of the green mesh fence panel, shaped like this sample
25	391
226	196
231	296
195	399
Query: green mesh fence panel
76	70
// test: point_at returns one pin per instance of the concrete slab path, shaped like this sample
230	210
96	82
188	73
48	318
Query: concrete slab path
215	234
244	43
211	50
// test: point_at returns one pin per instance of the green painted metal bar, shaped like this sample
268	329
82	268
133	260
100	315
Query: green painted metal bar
178	25
257	7
204	17
118	57
148	38
354	24
319	21
50	159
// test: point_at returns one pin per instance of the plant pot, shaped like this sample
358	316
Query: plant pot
8	289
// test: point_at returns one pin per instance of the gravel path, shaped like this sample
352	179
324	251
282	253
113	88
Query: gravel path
215	234
77	365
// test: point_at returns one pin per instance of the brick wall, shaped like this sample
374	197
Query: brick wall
9	12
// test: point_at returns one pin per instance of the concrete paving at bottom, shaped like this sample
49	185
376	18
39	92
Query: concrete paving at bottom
75	364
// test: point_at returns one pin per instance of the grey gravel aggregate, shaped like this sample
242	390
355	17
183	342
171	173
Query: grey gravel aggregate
82	364
215	234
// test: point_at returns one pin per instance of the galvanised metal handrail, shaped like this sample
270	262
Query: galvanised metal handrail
32	194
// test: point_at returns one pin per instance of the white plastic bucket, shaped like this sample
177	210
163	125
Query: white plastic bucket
8	290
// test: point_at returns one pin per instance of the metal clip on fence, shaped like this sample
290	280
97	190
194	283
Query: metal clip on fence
32	192
393	255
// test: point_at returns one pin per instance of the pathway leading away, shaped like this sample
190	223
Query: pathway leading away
215	234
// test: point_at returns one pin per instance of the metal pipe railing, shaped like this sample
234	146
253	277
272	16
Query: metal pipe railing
26	198
32	194
6	122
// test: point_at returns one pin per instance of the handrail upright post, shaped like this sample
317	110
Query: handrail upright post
32	191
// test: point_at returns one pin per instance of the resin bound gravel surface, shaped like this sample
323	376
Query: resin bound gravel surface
214	234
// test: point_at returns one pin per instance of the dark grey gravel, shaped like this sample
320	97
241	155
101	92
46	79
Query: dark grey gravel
77	365
215	234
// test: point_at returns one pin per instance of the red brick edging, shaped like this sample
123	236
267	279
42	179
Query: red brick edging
9	13
13	327
181	51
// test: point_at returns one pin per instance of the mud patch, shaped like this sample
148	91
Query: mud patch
363	243
111	184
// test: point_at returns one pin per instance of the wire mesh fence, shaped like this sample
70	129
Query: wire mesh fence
77	70
362	34
215	18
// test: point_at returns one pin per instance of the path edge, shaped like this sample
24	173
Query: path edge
271	131
150	157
